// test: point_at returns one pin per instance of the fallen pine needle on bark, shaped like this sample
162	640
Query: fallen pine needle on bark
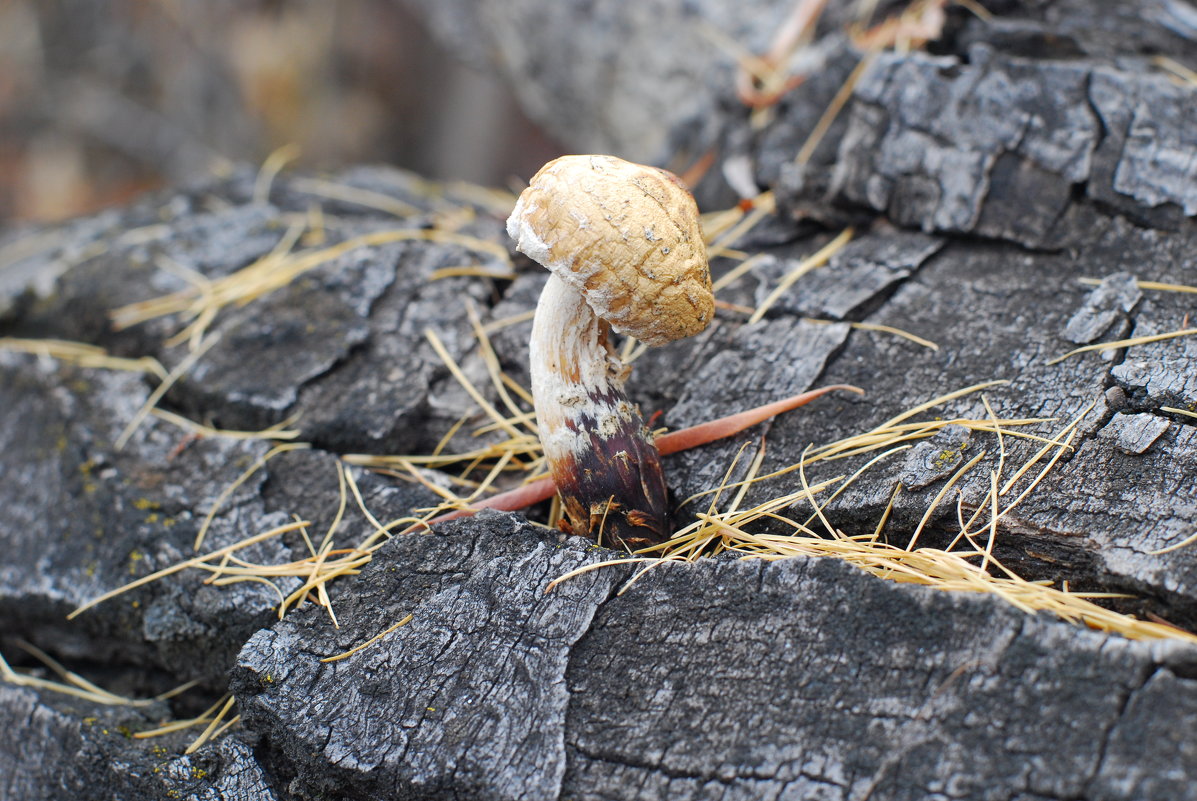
1125	343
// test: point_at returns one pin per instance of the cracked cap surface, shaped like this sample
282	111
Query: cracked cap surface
624	235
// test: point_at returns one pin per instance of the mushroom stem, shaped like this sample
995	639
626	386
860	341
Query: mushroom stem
599	451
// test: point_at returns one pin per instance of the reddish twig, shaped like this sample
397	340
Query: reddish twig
701	434
673	442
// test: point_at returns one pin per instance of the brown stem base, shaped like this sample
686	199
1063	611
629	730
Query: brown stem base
673	442
612	487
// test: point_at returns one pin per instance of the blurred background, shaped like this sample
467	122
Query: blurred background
103	99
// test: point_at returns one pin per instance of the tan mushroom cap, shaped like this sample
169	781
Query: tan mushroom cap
624	235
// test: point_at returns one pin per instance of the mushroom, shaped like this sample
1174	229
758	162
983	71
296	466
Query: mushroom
625	250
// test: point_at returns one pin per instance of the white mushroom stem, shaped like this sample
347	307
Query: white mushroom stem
600	454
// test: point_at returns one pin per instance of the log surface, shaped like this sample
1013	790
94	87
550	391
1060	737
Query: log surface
984	178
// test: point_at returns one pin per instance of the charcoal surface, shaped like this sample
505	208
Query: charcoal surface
721	679
1020	195
70	749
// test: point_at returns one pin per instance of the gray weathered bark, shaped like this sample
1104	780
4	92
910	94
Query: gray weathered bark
983	180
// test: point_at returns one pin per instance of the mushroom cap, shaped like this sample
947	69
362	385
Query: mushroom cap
626	236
